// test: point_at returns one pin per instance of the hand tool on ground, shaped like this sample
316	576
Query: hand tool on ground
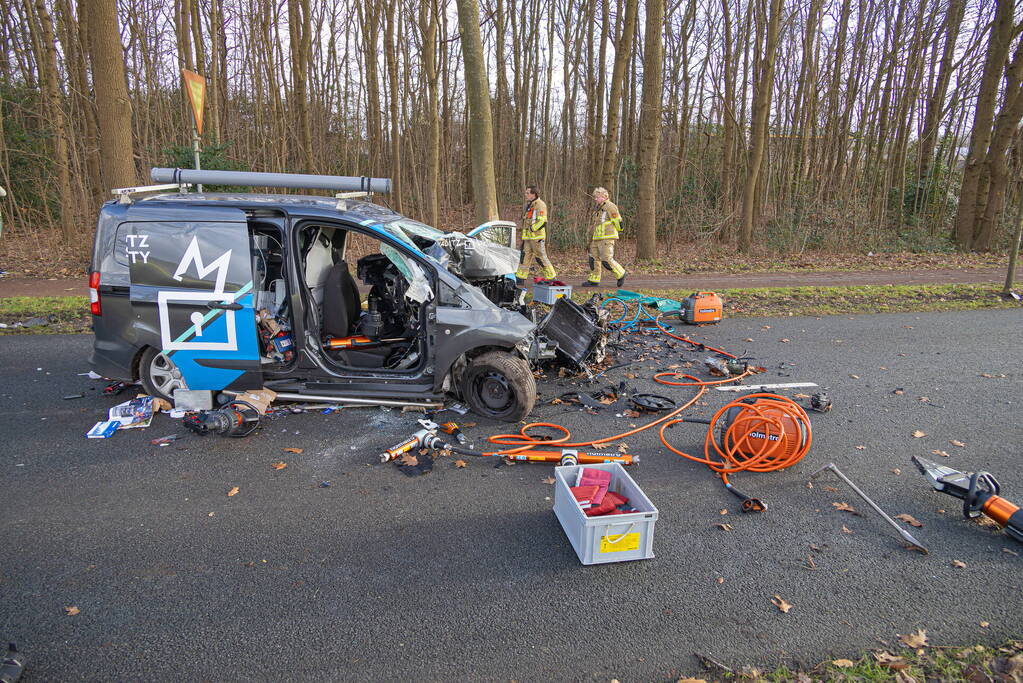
421	439
452	429
979	493
908	537
236	419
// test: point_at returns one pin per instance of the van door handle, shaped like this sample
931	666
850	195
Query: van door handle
225	306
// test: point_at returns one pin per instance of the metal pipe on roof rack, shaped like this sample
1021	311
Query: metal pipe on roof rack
290	180
349	400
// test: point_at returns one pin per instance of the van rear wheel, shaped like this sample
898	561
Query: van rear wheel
159	375
499	385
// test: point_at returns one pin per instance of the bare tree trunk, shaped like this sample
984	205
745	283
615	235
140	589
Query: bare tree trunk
50	80
481	129
650	130
623	51
113	107
758	133
392	75
973	193
428	29
299	30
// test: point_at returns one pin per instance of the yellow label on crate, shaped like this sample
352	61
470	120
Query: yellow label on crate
629	542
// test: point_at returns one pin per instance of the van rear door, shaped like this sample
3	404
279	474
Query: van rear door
191	293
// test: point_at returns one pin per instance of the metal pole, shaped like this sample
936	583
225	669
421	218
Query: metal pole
1014	249
908	537
195	151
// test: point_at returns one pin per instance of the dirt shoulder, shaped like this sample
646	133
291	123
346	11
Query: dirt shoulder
36	286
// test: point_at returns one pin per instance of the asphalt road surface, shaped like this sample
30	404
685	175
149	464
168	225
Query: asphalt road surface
466	573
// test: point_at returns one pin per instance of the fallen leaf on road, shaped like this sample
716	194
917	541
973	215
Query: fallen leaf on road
845	507
899	392
72	610
957	442
784	341
987	522
843	663
903	677
924	399
721	579
855	376
293	450
623	448
801	396
629	375
861	448
692	680
725	527
278	465
1011	552
749	339
958	564
460	463
890	661
409	459
909	519
556	401
942	453
628	412
468	425
918	434
984	624
915	640
831	489
232	492
781	604
724	511
846	530
896	471
765	327
548	480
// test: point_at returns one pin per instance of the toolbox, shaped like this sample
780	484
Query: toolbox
549	294
608	538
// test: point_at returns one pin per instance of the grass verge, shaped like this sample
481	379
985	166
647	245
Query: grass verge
65	314
976	663
815	301
70	314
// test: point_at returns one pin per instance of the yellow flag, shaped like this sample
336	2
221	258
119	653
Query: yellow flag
195	86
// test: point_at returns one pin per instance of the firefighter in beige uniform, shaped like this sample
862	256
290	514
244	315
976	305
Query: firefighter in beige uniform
607	221
534	236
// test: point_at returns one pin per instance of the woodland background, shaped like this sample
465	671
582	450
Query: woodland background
781	126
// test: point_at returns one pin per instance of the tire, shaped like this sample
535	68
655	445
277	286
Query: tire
159	375
500	386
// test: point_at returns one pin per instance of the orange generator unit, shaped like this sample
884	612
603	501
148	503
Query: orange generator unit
702	308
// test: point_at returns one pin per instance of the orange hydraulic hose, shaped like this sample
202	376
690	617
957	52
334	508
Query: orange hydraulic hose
657	321
726	380
523	441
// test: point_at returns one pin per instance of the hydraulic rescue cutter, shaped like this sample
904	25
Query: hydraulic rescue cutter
979	493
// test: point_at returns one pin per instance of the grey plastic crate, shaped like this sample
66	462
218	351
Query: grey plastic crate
614	538
547	294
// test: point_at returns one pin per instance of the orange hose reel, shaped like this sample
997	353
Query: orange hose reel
759	433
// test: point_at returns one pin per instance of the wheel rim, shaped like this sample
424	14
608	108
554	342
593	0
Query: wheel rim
494	392
165	375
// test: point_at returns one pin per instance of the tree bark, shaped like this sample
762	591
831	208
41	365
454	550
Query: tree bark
481	129
623	50
428	29
973	193
113	107
758	132
650	130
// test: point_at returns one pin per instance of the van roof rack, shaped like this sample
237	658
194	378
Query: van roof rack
124	194
299	181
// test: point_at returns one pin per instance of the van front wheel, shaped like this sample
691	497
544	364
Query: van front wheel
499	385
159	375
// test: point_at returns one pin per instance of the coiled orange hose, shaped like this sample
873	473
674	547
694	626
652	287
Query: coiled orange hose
784	436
